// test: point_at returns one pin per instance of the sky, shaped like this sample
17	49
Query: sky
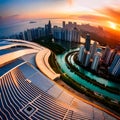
104	12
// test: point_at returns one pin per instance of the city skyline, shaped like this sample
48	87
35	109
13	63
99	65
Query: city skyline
104	13
88	55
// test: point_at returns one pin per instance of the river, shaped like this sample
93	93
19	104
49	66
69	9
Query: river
65	69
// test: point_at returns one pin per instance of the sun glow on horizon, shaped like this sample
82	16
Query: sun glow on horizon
105	13
112	25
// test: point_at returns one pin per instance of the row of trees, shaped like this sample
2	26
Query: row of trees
92	81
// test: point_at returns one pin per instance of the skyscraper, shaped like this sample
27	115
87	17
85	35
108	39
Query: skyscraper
21	36
112	56
106	54
41	32
96	60
29	35
57	32
46	30
87	43
93	49
75	35
81	53
63	24
49	28
115	66
109	57
25	37
87	59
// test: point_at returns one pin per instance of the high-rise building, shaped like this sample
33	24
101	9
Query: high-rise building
109	57
87	43
114	51
33	33
36	33
76	35
63	34
75	24
93	49
70	32
114	69
46	29
29	34
63	24
84	57
70	23
25	37
71	35
81	53
57	32
41	32
49	28
105	55
87	59
21	36
96	60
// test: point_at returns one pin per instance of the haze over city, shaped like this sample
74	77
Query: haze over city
105	12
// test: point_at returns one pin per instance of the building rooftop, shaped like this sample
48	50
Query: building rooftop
26	93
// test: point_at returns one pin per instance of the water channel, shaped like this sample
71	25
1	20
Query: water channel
65	69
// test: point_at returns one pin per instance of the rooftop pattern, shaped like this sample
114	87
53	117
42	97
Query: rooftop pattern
26	93
6	68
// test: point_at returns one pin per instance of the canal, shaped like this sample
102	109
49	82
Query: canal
65	69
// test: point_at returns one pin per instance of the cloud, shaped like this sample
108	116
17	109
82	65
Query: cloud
102	17
93	18
114	14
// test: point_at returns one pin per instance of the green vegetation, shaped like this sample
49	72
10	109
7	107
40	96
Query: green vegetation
55	66
104	100
53	63
72	83
92	81
47	42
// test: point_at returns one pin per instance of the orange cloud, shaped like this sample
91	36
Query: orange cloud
93	18
113	14
102	17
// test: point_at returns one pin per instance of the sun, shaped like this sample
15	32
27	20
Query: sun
112	25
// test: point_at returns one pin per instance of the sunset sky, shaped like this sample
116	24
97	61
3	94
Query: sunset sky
104	12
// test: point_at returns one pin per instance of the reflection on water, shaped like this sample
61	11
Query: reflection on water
61	61
75	46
